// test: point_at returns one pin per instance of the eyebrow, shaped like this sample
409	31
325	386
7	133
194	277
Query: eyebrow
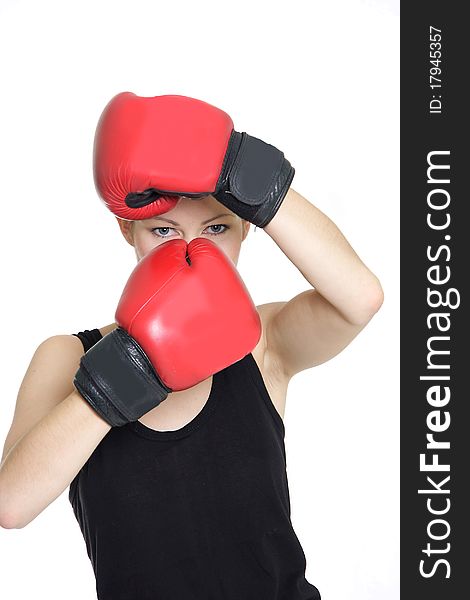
202	222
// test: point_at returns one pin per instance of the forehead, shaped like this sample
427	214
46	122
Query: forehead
191	209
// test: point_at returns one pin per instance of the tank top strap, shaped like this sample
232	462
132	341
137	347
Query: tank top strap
250	364
89	337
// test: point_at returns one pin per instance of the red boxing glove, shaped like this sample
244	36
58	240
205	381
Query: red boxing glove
149	151
188	308
184	315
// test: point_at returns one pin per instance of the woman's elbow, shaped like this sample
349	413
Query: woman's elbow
369	303
375	299
9	522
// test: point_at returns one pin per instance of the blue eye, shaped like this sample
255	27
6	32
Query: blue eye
162	231
216	229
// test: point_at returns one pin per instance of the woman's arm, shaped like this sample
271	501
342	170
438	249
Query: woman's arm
317	324
54	431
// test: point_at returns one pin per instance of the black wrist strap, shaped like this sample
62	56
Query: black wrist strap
118	380
254	179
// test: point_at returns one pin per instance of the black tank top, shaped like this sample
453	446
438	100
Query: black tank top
200	513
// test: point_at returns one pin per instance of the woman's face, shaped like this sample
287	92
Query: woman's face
189	219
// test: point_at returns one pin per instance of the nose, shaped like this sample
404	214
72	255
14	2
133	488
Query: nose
190	236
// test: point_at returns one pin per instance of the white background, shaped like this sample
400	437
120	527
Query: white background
319	80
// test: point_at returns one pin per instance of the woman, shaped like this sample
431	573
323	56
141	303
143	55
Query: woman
191	500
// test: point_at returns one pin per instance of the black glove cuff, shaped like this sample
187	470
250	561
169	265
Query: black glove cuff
118	380
254	179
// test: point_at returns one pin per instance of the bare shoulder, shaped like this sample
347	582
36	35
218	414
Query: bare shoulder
55	353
